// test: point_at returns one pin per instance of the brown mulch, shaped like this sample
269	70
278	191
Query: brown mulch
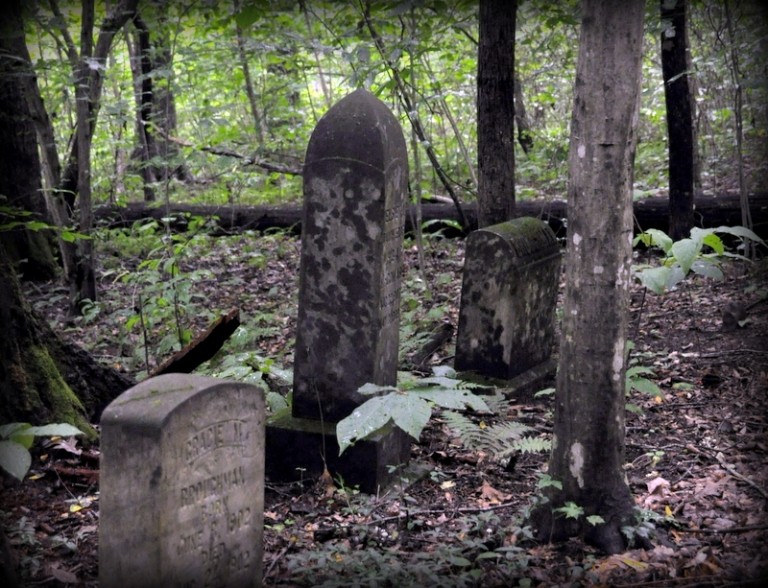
697	458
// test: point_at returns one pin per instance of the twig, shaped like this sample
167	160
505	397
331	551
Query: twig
247	160
745	529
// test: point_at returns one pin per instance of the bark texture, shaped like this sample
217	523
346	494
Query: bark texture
18	154
496	112
44	379
588	445
675	63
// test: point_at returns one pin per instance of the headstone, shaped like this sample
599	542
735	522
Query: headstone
508	298
355	183
182	485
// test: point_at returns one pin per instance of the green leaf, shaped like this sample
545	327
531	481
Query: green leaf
546	481
368	418
56	430
655	237
742	232
410	413
707	268
571	510
15	459
6	431
655	278
715	243
685	252
646	386
633	408
372	389
595	520
637	370
453	399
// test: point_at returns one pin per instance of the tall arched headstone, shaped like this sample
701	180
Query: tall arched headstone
182	485
355	185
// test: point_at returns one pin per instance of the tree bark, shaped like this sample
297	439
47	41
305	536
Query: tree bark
31	250
83	283
588	444
496	112
44	379
524	134
675	65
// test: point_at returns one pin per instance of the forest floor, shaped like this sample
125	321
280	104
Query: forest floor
695	461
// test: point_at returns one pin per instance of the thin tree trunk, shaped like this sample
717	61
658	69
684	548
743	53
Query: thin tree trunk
524	134
83	287
676	64
403	94
496	112
738	98
258	122
588	444
141	66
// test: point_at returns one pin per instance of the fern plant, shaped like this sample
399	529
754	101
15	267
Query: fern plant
499	441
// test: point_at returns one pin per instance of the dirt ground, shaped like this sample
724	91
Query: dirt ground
696	459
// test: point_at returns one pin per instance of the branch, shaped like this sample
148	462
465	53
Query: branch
247	160
415	122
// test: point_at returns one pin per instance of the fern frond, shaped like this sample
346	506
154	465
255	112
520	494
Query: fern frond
498	441
533	444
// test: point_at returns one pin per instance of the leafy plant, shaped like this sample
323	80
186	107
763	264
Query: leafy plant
17	438
498	441
687	255
408	407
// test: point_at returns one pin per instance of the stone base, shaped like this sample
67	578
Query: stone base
522	386
295	449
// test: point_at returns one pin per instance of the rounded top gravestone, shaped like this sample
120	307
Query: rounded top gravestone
355	181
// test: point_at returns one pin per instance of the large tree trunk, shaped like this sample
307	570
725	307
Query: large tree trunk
675	65
588	445
18	154
496	112
44	379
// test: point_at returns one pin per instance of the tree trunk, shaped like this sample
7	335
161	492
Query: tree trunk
588	445
56	205
83	283
524	134
18	154
675	65
496	112
44	379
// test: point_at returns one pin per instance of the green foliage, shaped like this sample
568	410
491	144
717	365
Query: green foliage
408	406
164	298
17	438
687	255
499	441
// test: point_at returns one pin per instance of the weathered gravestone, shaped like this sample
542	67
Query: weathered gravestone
182	485
508	298
355	183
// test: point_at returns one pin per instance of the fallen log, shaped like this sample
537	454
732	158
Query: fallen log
650	213
202	348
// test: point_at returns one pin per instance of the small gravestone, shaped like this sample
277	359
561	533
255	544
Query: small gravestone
182	485
508	298
355	183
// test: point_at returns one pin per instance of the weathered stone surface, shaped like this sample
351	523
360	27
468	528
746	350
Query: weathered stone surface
508	298
355	182
182	485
